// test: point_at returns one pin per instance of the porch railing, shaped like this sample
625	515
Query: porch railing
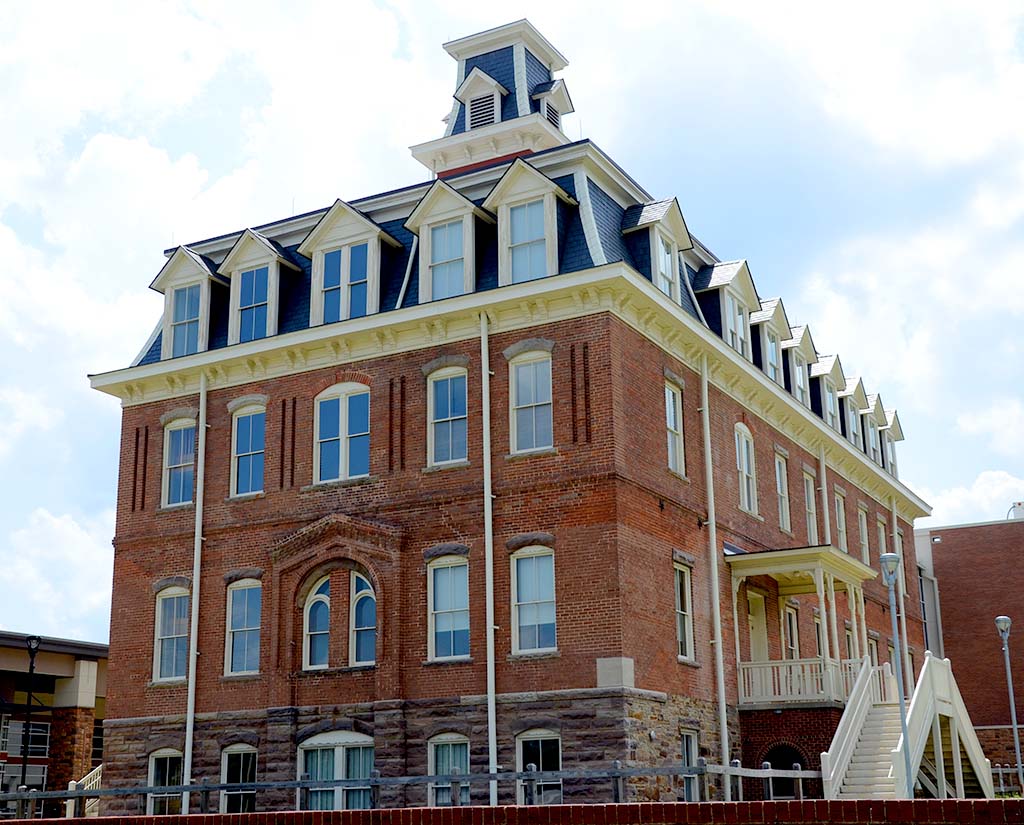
797	680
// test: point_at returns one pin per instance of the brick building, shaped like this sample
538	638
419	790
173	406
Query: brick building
68	688
428	480
976	569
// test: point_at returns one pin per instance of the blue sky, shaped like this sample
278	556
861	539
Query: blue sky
868	162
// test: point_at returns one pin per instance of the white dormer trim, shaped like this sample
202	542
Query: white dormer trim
183	269
442	204
736	322
521	31
659	237
253	251
523	184
342	227
519	67
478	86
558	95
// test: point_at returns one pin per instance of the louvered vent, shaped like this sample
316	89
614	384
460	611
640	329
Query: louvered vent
552	114
481	111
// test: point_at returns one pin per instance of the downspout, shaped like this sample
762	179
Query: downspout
197	563
485	402
908	673
716	609
824	500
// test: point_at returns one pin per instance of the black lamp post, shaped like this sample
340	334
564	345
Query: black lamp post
32	643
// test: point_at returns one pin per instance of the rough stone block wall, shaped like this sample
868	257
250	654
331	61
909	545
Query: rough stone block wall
70	745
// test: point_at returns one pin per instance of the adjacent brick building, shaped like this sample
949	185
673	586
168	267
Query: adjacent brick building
448	502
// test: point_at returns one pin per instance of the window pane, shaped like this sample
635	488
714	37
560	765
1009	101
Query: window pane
332	306
520	264
330	458
366	644
357	263
359	413
329	418
319	617
318	649
357	300
359	456
542	380
332	269
542	426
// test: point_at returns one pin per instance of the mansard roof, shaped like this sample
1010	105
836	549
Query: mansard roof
184	259
666	212
439	192
251	237
518	169
521	31
336	213
772	311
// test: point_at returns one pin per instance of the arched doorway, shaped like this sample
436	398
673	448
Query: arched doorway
784	757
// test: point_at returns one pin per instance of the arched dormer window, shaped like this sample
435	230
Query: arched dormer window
316	630
362	622
341	447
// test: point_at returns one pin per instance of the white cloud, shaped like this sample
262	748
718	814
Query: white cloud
988	498
1002	422
55	573
21	412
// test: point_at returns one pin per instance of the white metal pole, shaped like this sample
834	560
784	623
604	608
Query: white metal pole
485	401
1005	634
890	581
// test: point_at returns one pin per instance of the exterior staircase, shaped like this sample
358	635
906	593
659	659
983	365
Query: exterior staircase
869	773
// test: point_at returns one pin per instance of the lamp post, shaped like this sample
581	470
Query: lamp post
1003	626
890	563
32	644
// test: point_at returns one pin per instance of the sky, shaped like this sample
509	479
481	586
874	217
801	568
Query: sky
867	160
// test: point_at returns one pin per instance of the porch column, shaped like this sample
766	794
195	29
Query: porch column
831	582
940	767
863	622
826	676
958	767
855	620
736	582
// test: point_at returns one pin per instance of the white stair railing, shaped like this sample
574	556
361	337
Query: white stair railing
90	782
870	686
936	692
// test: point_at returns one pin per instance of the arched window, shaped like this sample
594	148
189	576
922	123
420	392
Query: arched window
784	758
164	771
542	749
342	425
446	754
363	622
170	646
316	630
533	600
238	766
446	405
448	608
747	469
337	755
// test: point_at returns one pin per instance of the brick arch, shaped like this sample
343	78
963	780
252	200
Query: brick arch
340	377
328	725
341	559
783	743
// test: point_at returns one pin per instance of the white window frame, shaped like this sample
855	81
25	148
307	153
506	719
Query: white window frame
441	375
353	602
342	392
746	468
800	378
172	592
339	742
162	753
791	632
344	244
273	295
426	280
546	194
817	636
811	508
464	788
534	735
874	441
683	582
170	324
865	535
435	564
241	584
225	755
534	356
782	490
890	451
689	753
882	531
772	343
242	412
830	403
676	438
311	598
840	511
527	552
873	651
659	241
853	424
737	335
177	424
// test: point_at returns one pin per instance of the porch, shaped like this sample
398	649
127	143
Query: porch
820	571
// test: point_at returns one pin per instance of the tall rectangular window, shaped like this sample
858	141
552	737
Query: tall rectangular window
873	651
674	427
179	458
862	530
447	267
853	422
791	622
891	452
746	469
773	356
534	606
881	530
249	445
528	245
531	404
164	772
664	277
873	450
841	523
810	509
185	321
239	767
782	488
831	405
343	436
799	378
332	286
817	636
449	753
543	750
689	754
448	418
171	635
684	613
252	305
244	607
449	608
357	280
736	324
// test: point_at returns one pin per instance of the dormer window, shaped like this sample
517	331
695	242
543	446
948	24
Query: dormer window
447	260
874	451
185	321
890	444
800	379
528	246
666	268
736	325
772	355
853	423
252	305
831	404
253	267
482	110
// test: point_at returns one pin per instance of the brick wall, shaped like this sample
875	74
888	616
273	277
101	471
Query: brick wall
854	812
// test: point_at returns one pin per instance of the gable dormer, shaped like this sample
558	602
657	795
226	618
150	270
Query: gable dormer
826	380
769	327
798	353
891	433
507	101
663	230
253	268
726	294
186	281
852	400
345	248
445	222
525	202
874	419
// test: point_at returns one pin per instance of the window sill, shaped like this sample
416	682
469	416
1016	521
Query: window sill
789	533
455	660
241	677
454	465
754	516
247	496
342	482
529	657
167	683
678	476
687	662
175	508
531	453
334	671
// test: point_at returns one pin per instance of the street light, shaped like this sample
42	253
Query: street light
890	563
1003	626
32	644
